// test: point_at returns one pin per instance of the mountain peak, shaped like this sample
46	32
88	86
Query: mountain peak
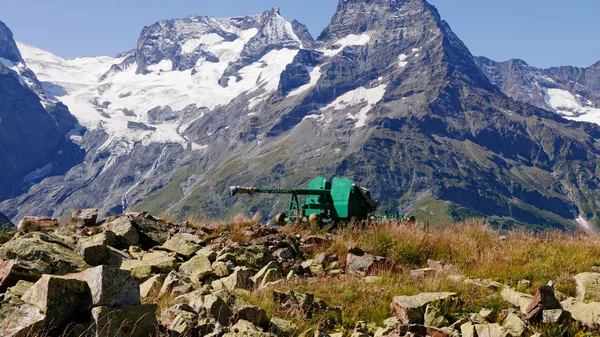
275	10
8	46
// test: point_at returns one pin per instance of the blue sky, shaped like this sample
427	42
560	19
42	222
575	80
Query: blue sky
544	33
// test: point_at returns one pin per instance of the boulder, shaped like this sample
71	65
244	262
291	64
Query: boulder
179	320
94	249
222	269
241	278
157	262
37	223
588	287
198	268
152	231
132	321
85	217
36	254
488	284
442	268
434	317
59	298
518	299
554	316
514	325
585	313
268	273
422	273
213	305
251	313
20	288
363	264
490	330
110	286
19	318
151	287
411	309
543	300
253	256
172	281
246	329
283	254
123	228
184	244
208	251
282	328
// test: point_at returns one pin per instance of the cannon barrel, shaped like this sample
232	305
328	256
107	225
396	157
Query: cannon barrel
234	190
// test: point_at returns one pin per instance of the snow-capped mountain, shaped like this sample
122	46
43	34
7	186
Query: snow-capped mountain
572	92
387	95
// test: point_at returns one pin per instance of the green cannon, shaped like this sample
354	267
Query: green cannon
337	200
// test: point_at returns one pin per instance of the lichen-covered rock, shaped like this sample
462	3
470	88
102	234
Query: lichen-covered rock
198	268
35	254
516	298
152	231
133	321
282	328
154	262
19	318
434	317
151	287
490	330
360	263
110	286
222	269
268	273
245	329
214	305
184	244
411	309
554	316
94	249
20	288
85	217
58	298
241	278
514	325
588	287
585	313
123	228
543	300
253	256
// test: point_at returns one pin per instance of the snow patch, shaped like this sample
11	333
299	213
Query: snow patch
209	39
567	105
369	97
583	223
402	60
350	40
315	75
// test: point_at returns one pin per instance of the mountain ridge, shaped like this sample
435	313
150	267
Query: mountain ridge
387	95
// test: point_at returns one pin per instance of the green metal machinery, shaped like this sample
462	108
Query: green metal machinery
337	200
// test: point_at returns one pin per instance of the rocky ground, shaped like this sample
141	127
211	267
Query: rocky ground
137	275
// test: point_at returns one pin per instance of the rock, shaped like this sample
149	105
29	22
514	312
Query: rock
554	316
434	318
253	256
420	330
268	273
151	287
59	298
283	254
422	273
490	315
518	299
282	328
442	268
184	244
110	286
37	223
411	309
363	264
514	325
157	262
198	268
241	278
490	330
115	257
36	254
13	271
136	252
246	329
543	300
313	267
251	313
133	321
213	305
468	330
85	217
171	281
19	318
94	249
152	231
222	269
123	228
20	288
489	284
525	283
588	287
585	313
209	252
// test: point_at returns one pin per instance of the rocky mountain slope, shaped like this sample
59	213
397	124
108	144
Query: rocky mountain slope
387	95
34	131
572	92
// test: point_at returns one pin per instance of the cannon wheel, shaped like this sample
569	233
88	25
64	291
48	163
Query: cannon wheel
281	219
